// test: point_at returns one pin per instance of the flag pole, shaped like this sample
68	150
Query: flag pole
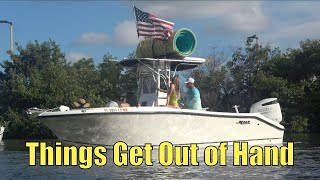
135	19
165	47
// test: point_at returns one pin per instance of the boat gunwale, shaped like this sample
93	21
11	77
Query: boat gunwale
257	116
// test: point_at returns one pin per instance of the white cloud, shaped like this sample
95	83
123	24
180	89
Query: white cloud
250	19
290	35
234	17
294	10
126	34
75	56
280	21
293	22
240	16
304	30
93	38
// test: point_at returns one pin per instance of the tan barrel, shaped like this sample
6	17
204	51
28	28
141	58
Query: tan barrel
181	44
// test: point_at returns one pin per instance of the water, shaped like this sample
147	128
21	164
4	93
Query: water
14	159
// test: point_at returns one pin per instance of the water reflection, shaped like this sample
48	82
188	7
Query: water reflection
305	140
1	146
20	145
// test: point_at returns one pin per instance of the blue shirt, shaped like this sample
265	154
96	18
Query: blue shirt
193	100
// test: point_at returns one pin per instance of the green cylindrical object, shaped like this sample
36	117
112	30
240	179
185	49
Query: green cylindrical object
182	43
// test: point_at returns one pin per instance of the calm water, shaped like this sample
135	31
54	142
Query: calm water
14	164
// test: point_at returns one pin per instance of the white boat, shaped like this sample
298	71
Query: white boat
1	132
153	123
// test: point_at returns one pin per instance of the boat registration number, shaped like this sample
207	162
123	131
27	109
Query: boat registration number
116	110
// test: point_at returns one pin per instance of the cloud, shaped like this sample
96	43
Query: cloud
126	34
250	19
304	30
293	22
92	38
294	10
223	17
240	16
219	17
289	36
285	21
74	57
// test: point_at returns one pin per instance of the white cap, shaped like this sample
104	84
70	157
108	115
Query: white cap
190	80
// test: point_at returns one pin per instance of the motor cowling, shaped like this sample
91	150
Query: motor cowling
269	108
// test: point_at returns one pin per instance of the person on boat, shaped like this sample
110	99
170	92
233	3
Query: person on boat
123	102
119	102
193	100
81	103
112	104
173	94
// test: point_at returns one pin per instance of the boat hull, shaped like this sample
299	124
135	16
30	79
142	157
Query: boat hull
1	132
180	127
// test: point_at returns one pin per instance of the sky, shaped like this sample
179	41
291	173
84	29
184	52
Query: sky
91	29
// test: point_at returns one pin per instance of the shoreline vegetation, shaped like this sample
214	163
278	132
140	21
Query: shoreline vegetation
41	77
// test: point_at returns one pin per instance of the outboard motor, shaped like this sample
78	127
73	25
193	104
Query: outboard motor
269	108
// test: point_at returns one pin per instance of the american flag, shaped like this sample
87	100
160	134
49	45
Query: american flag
150	25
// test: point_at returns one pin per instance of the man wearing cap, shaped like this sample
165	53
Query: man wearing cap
193	100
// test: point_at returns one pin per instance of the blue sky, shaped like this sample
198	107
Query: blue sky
92	29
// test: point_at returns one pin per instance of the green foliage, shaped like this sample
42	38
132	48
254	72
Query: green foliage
299	124
41	77
212	80
20	126
244	67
